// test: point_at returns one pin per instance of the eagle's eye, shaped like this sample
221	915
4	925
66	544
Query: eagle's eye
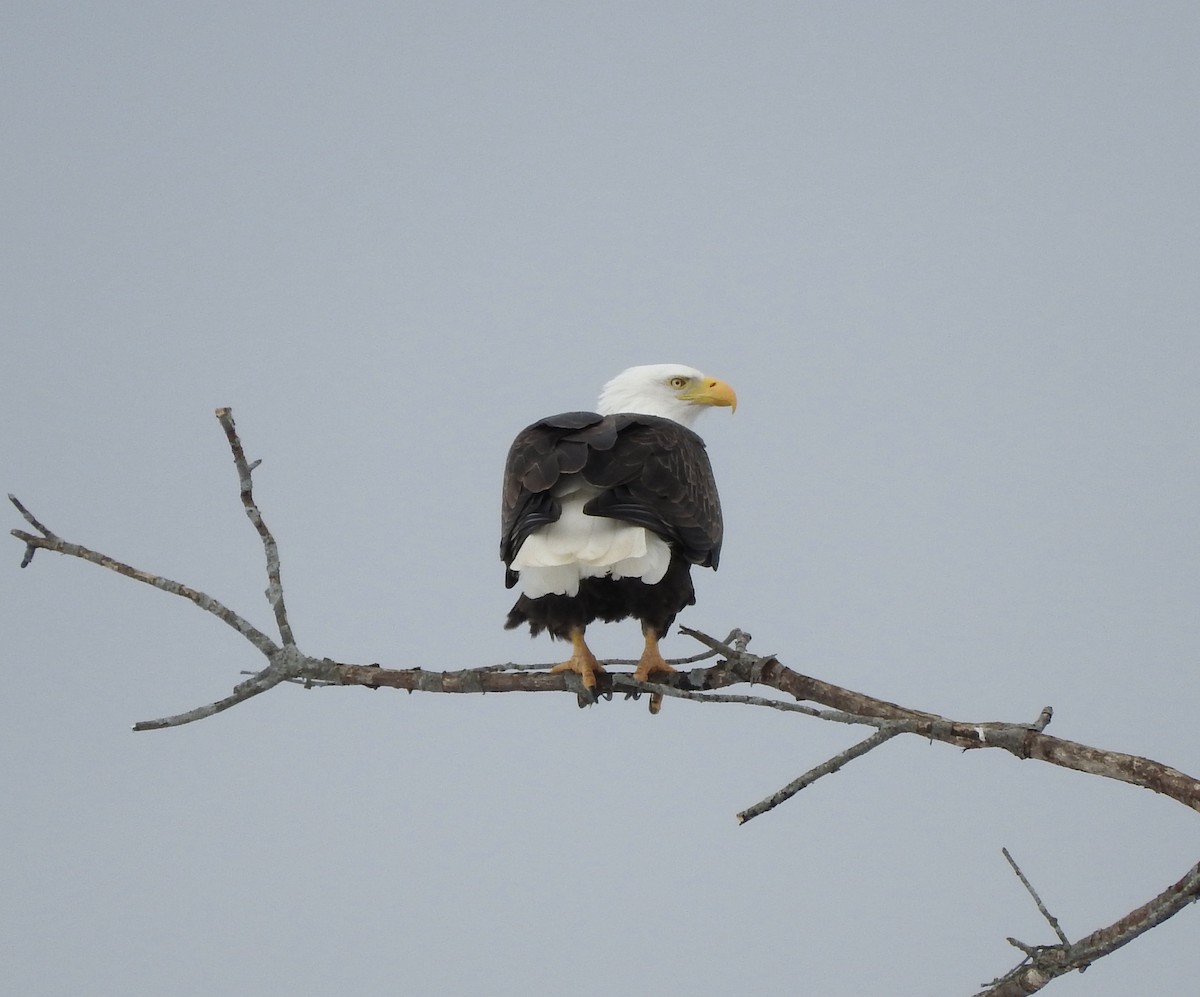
678	382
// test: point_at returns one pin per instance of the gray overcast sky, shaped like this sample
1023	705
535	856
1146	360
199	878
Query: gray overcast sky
947	254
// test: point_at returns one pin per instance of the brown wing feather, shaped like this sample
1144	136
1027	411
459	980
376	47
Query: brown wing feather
538	457
658	475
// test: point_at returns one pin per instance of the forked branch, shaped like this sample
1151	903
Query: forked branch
726	663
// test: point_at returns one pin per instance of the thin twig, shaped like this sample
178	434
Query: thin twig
205	602
813	774
262	681
1031	951
246	489
32	521
512	666
621	681
30	518
720	646
287	664
628	684
1053	921
690	660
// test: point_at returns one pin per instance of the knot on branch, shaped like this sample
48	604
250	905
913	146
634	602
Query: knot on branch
288	662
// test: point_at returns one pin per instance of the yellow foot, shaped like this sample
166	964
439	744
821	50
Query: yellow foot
582	662
652	661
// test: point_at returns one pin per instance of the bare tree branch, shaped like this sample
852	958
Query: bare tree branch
270	548
734	665
1049	963
50	541
815	773
32	521
1050	918
261	682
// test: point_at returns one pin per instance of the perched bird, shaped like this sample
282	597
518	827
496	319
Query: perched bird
604	513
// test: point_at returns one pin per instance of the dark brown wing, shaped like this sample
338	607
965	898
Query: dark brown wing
657	475
538	457
653	472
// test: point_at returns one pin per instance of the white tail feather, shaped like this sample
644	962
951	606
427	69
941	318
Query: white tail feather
556	557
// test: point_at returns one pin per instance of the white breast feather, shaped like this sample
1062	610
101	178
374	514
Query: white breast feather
556	557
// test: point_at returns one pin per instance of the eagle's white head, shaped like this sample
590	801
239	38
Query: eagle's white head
670	390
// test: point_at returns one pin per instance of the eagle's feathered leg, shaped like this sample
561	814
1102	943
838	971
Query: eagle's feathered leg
651	661
582	662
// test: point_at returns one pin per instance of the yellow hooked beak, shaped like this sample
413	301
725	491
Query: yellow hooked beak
710	391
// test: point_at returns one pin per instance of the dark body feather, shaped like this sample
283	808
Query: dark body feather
653	472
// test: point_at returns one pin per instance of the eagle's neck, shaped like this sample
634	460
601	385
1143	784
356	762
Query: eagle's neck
617	400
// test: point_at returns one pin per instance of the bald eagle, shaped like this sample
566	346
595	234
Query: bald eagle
604	513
